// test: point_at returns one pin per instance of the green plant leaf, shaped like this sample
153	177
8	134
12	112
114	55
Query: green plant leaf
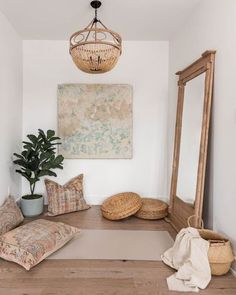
25	154
45	155
43	135
34	165
46	172
33	180
52	149
23	174
59	159
18	156
33	138
50	133
19	171
38	157
28	172
27	143
54	138
46	166
20	162
27	147
51	173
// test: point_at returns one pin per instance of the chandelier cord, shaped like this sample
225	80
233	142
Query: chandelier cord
95	21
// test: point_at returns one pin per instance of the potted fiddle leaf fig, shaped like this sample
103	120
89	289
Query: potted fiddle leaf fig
37	159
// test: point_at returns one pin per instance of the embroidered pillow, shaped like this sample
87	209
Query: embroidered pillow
10	215
65	198
29	244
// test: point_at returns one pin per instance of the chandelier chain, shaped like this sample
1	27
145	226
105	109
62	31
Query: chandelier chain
96	14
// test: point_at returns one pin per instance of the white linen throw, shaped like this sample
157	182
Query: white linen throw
189	256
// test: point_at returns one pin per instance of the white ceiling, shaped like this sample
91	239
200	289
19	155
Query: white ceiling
133	19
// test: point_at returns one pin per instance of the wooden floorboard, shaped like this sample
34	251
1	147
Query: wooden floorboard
85	277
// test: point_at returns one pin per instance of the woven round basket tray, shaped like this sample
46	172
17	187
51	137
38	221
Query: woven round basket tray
152	209
121	206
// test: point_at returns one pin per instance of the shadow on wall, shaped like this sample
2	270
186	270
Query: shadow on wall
208	191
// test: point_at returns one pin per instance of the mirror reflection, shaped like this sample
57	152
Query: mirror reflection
190	139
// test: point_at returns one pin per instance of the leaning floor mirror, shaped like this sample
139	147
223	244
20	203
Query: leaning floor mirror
195	88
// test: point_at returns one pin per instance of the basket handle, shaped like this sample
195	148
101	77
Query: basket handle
189	219
216	241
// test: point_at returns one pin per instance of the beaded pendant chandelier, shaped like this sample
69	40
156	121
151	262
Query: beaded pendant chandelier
95	49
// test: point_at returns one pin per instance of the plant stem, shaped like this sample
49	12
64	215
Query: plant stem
32	186
31	189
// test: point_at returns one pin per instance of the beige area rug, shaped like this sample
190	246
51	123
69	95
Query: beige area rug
116	245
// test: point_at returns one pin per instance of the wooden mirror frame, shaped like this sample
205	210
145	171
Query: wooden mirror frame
179	211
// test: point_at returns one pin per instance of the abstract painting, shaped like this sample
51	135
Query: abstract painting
95	121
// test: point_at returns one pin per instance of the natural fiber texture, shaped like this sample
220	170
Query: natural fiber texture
121	206
220	251
29	244
10	215
95	50
152	209
194	218
65	198
86	57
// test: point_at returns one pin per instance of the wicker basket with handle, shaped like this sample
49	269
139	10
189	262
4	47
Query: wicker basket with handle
220	252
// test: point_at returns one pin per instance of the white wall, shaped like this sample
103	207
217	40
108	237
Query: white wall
10	107
143	65
213	26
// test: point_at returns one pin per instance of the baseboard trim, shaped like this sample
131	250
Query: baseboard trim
99	199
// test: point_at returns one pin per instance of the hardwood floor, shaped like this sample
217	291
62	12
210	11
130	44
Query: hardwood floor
85	277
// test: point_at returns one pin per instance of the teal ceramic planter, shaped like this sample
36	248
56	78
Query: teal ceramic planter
32	206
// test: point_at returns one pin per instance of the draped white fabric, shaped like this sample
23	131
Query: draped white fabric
189	256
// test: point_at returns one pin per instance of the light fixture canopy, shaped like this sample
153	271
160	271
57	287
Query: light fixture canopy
95	49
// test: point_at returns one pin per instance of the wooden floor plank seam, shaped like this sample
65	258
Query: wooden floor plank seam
100	277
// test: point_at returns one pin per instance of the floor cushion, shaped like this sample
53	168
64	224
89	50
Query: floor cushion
65	198
121	206
152	209
29	244
10	215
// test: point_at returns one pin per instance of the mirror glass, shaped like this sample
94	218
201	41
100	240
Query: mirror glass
190	139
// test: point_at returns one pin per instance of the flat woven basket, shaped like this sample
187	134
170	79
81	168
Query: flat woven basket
220	252
152	209
121	206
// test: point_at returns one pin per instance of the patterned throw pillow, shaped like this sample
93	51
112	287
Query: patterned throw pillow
65	198
10	215
29	244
